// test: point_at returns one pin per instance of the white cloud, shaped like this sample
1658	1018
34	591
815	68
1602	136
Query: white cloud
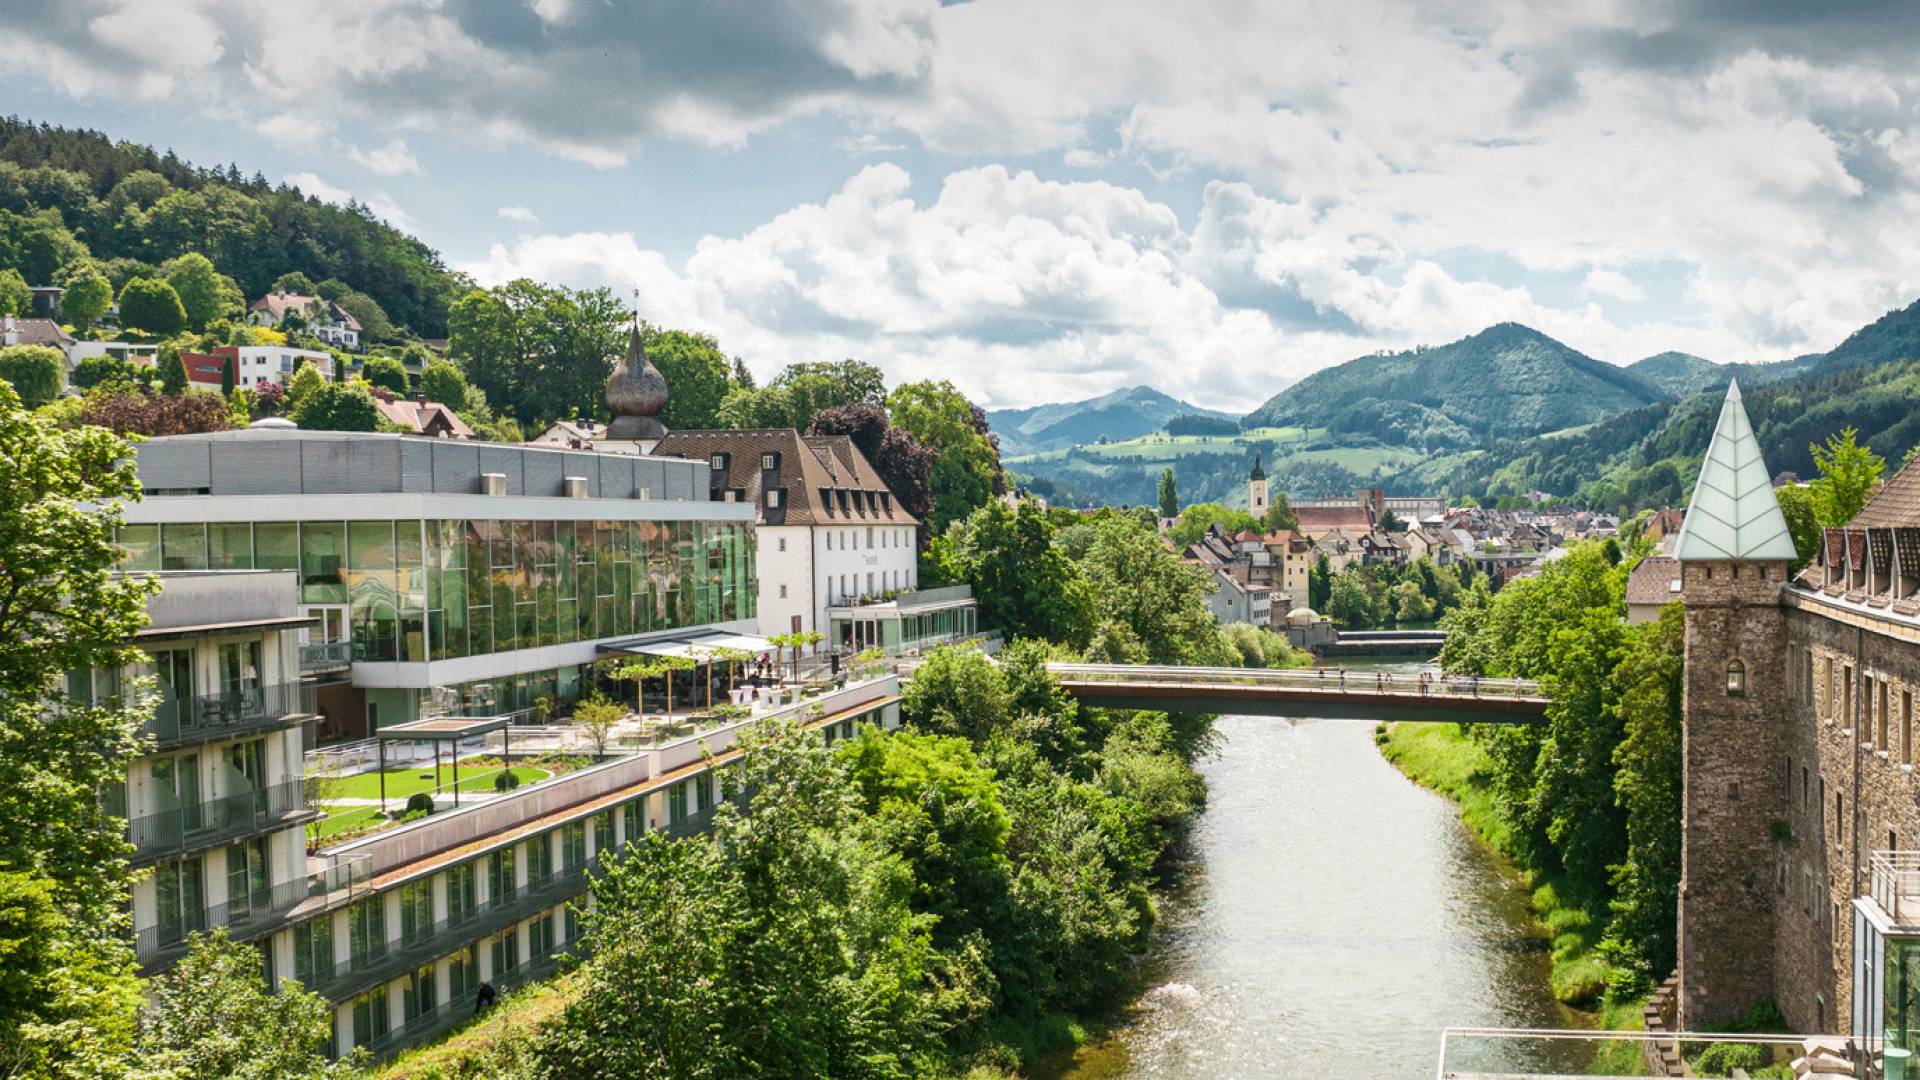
1613	284
379	204
393	159
520	214
311	184
1023	290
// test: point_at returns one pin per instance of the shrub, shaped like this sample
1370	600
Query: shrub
1721	1059
35	371
420	802
506	781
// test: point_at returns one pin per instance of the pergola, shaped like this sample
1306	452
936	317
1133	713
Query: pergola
438	730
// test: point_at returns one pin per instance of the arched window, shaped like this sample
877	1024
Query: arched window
1736	678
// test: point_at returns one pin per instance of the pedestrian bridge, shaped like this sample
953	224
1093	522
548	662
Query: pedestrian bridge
1333	693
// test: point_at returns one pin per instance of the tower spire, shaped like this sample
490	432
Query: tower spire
1733	513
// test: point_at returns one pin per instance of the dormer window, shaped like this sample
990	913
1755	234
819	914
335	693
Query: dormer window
1736	679
773	499
769	461
718	462
826	501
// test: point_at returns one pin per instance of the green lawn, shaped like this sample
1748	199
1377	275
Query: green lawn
400	784
404	782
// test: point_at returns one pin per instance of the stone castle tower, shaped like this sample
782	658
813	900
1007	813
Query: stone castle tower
1257	489
1734	550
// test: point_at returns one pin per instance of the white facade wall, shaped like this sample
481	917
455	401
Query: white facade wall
260	364
804	569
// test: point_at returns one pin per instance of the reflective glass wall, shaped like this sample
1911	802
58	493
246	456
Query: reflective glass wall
418	590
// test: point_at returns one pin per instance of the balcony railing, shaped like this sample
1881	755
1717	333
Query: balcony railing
1893	880
340	880
216	821
394	958
444	1017
236	711
326	655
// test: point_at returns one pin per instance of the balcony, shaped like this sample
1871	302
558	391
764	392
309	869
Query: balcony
331	880
326	656
218	821
451	1013
1893	883
396	957
234	712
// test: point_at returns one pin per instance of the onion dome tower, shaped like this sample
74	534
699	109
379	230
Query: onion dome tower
636	394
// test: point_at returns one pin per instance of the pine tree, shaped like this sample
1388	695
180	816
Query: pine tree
173	371
1169	495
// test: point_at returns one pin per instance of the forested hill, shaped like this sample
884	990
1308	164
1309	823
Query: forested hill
1123	414
1505	380
68	194
1650	456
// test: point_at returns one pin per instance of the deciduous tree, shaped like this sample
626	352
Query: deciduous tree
337	407
34	371
151	305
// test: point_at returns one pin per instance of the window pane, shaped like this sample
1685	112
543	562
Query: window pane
276	546
230	546
183	546
323	545
142	545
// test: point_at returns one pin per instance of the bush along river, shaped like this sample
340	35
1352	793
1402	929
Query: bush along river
1331	920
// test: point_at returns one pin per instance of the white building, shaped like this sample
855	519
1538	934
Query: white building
836	553
257	365
829	530
326	320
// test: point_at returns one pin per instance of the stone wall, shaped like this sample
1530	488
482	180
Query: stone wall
1852	792
1734	743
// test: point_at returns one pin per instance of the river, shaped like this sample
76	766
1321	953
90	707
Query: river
1332	919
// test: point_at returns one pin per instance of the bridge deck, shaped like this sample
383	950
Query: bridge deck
1331	693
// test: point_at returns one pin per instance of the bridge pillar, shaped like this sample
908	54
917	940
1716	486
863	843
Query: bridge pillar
1735	741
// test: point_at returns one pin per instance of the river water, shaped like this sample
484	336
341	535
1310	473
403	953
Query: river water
1334	917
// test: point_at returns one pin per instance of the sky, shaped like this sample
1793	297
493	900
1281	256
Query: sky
1046	201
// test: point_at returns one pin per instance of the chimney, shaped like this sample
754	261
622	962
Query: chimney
419	397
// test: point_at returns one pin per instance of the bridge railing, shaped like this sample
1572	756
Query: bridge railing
1322	680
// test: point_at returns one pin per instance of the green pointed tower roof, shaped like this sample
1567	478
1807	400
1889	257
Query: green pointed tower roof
1256	474
1733	514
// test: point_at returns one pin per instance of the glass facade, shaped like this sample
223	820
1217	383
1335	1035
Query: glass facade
434	590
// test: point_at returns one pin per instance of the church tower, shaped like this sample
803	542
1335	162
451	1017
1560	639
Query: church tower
636	394
1257	490
1734	550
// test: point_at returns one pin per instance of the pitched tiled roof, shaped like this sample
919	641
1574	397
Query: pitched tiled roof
1652	580
827	480
1896	505
35	332
277	304
1322	518
422	417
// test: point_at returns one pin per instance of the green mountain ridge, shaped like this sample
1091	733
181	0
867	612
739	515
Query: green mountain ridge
67	194
1122	414
1505	380
1649	457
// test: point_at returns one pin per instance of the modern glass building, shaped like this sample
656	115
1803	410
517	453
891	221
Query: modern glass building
488	571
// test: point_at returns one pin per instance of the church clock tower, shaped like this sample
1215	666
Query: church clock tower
1257	490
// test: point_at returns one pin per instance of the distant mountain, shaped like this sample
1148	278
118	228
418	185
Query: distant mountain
1893	336
1504	381
1679	374
1123	414
1648	457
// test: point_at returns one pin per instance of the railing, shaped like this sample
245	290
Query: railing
215	821
1515	1053
456	1010
230	712
394	958
326	655
1893	880
339	880
1325	680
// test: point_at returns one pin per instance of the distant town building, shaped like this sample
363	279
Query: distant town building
324	319
420	416
1654	583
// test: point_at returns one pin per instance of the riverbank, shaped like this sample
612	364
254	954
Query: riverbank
1443	759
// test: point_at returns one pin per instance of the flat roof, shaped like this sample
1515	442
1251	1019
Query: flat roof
442	728
152	633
